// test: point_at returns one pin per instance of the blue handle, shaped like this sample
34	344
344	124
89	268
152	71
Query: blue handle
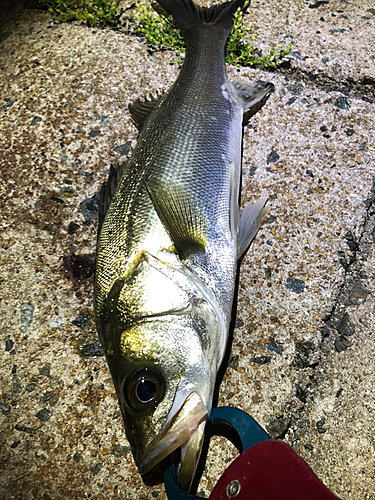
172	489
248	430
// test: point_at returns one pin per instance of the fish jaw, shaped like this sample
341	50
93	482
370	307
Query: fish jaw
190	453
185	429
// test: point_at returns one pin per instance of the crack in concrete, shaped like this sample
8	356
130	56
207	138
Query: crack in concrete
348	267
345	84
298	416
316	378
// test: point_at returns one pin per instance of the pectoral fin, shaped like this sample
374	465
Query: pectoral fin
250	221
252	96
182	217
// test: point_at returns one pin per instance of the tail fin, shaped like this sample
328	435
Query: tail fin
186	13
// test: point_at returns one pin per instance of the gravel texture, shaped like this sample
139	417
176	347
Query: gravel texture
302	359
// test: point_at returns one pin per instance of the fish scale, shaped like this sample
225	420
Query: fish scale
170	238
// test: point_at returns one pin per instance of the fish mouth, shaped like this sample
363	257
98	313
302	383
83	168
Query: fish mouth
184	429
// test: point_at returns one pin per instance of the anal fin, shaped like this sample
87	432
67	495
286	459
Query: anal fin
252	96
250	221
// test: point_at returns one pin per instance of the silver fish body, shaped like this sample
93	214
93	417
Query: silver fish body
171	234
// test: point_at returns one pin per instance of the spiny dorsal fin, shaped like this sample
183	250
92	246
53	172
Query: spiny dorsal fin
182	217
108	190
140	110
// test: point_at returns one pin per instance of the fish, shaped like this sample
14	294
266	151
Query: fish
171	234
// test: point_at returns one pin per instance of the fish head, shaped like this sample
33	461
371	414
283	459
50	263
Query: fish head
162	331
164	374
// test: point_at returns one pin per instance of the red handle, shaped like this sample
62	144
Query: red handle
270	470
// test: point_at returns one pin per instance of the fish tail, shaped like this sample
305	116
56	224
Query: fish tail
187	14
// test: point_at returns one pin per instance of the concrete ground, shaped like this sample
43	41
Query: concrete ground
302	360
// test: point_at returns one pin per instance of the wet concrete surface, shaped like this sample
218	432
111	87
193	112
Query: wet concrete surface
302	359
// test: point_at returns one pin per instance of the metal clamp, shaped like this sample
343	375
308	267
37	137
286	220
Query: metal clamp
249	432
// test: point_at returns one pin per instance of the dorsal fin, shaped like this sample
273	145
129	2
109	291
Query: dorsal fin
140	110
108	190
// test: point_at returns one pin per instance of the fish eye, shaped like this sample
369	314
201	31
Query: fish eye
144	390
